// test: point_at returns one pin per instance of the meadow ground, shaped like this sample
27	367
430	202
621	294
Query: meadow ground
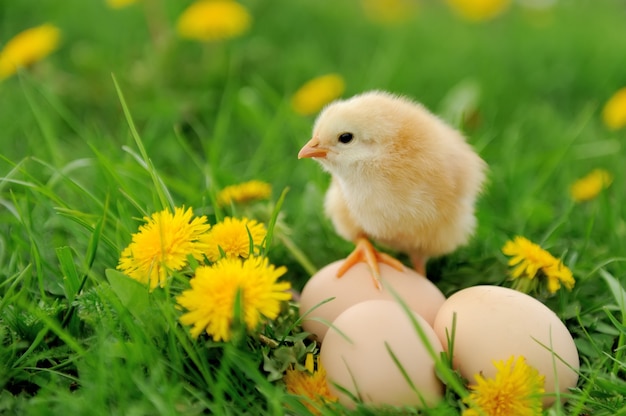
126	118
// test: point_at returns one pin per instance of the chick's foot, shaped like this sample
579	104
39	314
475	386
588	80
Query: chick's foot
365	252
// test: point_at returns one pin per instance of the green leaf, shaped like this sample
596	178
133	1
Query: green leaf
273	219
620	297
71	278
278	360
133	295
616	289
94	241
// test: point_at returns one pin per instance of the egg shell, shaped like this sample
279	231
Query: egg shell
357	285
356	357
495	323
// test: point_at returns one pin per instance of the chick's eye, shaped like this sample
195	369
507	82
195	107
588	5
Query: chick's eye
345	138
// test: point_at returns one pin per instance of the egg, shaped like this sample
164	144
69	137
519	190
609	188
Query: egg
357	355
495	323
355	286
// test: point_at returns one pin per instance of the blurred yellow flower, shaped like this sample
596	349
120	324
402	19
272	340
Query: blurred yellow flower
589	186
232	236
558	274
244	192
210	302
316	93
530	261
389	11
209	20
28	47
478	10
516	390
311	384
119	4
614	111
162	245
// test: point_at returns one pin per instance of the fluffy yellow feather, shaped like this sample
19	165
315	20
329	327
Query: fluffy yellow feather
400	176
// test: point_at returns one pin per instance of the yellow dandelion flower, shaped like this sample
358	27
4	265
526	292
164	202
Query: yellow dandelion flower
310	384
589	186
211	300
209	20
244	192
558	274
232	237
530	260
614	111
119	4
162	245
28	47
527	257
389	11
316	93
478	10
516	390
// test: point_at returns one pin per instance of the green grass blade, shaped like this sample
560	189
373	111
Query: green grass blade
159	187
619	294
71	279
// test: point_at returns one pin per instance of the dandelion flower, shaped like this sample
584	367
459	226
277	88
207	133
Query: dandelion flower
558	274
209	20
316	93
389	11
119	4
614	111
530	261
590	186
232	237
478	10
28	47
516	390
162	245
310	384
244	192
210	302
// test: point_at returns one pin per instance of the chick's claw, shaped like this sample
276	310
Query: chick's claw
365	252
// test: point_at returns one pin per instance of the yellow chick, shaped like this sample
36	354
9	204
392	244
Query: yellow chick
400	176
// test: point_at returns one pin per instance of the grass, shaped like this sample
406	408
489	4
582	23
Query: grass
85	155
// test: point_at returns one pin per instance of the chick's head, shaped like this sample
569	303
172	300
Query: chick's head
353	132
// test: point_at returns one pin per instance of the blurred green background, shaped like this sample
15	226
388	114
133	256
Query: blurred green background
527	87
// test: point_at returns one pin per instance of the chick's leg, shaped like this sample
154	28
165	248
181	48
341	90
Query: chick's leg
365	252
419	263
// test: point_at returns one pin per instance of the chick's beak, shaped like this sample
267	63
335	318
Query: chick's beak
312	149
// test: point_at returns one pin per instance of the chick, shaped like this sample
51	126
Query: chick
400	176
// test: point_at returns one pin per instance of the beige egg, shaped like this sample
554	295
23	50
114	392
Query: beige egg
357	285
356	355
495	323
